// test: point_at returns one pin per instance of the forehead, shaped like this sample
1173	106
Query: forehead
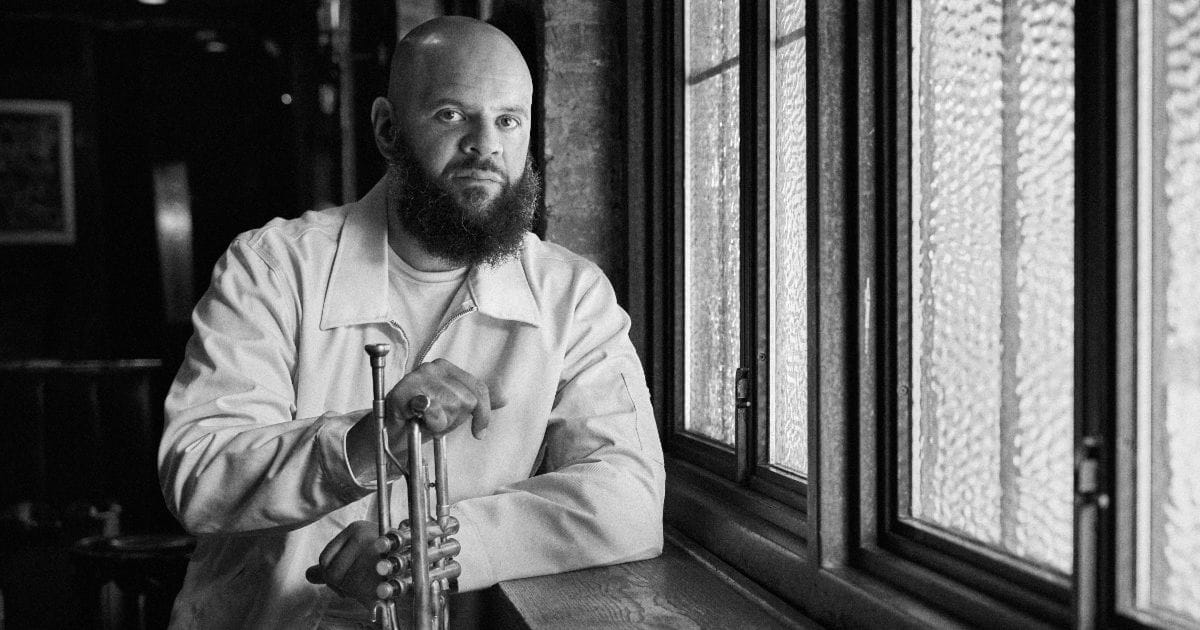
483	91
485	76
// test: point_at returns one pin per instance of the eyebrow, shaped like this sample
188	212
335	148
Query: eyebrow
508	109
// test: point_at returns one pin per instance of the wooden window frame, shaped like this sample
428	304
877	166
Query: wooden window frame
843	556
656	182
1110	588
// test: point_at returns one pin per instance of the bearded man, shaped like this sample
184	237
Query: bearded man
268	450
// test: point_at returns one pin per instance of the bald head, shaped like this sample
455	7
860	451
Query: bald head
459	108
460	76
454	48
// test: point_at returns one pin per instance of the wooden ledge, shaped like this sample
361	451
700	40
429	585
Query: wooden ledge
680	589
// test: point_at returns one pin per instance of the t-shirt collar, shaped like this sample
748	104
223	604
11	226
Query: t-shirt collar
358	282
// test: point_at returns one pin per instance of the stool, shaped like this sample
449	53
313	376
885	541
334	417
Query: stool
130	581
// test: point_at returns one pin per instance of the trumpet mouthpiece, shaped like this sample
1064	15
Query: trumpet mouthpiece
377	350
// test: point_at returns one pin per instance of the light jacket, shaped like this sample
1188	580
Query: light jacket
253	458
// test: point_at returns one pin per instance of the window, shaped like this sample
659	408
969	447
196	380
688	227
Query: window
787	270
712	257
742	308
1162	477
991	276
929	347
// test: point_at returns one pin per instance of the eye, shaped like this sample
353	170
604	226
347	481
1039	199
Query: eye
449	115
508	122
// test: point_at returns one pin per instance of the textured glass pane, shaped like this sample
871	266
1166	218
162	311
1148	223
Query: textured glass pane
992	273
789	320
711	290
1169	521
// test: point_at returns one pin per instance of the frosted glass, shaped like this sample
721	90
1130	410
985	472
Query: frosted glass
992	273
789	248
1170	520
711	259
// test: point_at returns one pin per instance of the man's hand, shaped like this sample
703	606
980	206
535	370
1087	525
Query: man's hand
347	564
455	396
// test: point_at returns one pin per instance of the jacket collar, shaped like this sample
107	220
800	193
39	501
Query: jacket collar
358	283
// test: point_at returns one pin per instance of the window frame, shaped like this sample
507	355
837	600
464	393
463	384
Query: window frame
1114	582
844	557
925	562
745	462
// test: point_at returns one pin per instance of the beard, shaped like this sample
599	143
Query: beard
468	231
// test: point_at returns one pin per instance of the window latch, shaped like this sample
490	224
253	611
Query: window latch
1087	474
742	441
742	388
1089	501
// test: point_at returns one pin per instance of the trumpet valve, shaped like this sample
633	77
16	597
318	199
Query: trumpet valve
394	539
389	589
401	563
391	565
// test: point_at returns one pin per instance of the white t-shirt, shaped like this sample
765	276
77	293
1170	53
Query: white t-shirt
420	301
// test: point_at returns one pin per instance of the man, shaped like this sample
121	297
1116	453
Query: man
267	453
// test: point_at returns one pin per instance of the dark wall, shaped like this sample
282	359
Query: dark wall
145	92
222	115
145	89
53	297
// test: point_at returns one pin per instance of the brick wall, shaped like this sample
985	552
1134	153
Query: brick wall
584	126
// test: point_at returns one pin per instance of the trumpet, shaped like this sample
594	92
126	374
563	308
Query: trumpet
407	551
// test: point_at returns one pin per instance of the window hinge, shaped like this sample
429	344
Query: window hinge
1087	474
743	442
742	388
1090	500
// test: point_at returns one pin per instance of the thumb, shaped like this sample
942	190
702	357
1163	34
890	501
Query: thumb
497	396
481	418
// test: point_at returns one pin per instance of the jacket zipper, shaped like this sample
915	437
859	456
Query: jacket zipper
441	329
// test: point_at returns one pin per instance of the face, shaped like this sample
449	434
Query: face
454	232
466	120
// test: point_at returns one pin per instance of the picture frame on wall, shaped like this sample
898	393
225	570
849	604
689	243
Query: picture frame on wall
37	177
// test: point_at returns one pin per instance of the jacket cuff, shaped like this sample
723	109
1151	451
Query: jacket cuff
473	558
335	462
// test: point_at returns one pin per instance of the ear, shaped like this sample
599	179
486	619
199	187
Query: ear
384	123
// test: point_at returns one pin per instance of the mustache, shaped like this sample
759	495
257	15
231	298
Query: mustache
476	163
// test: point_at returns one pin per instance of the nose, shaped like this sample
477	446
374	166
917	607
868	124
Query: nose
482	140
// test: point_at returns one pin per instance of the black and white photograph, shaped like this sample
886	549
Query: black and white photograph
566	314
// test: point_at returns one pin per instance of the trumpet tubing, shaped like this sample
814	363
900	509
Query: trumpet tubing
407	551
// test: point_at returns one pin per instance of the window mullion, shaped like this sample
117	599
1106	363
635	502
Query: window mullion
754	82
830	208
1095	306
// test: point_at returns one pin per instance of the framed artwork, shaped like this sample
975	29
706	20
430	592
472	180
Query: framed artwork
37	178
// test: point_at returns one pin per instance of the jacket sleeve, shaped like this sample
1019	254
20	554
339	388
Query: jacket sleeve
600	499
233	457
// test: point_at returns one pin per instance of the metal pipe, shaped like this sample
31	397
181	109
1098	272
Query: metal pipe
418	518
385	610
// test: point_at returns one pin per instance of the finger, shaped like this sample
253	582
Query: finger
339	568
481	410
497	395
314	574
489	393
331	550
343	572
435	419
429	380
398	412
325	571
